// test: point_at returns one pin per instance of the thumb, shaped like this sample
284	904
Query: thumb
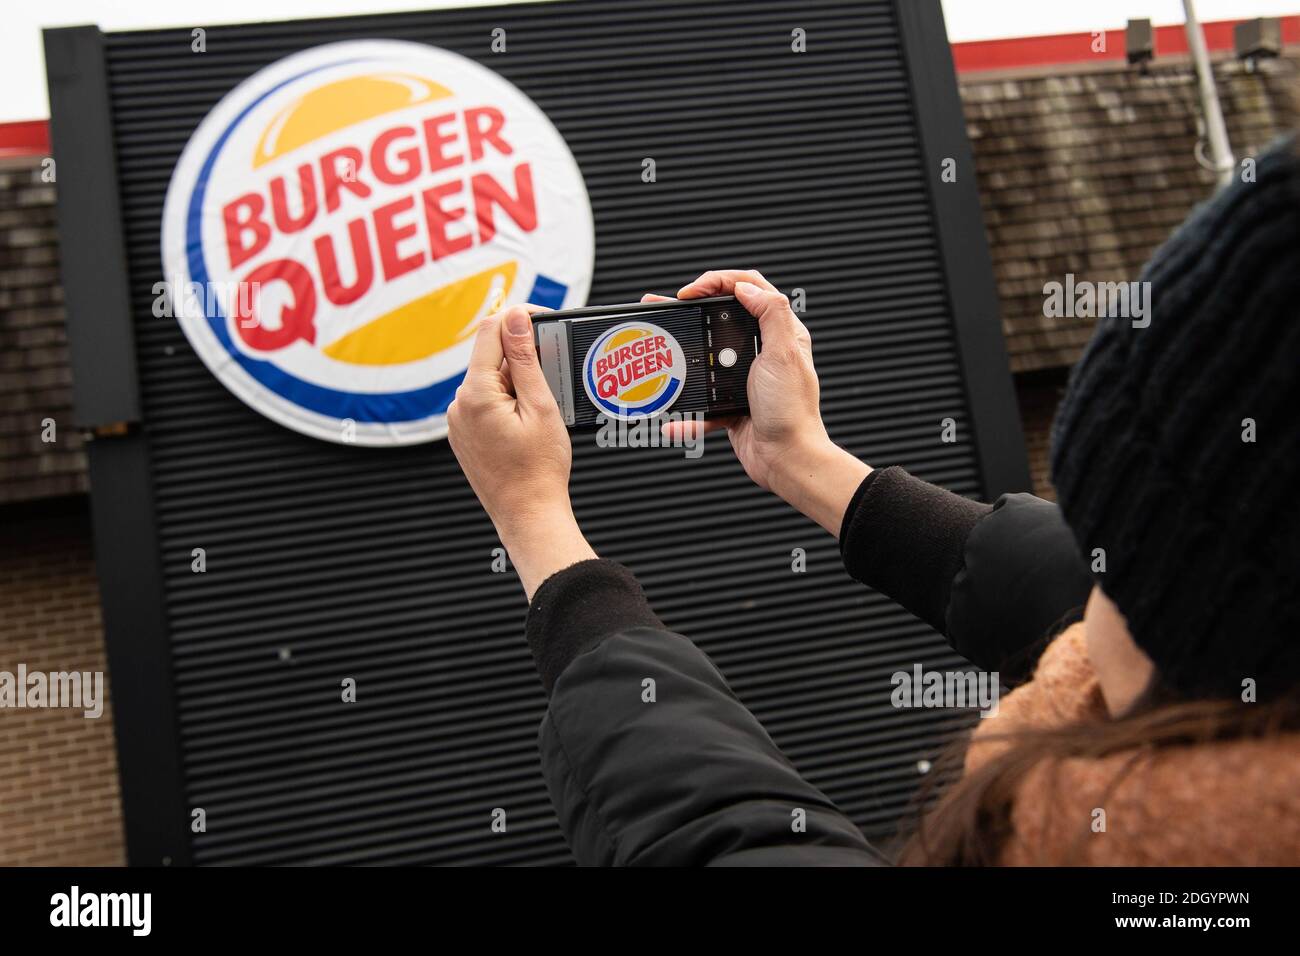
521	355
776	320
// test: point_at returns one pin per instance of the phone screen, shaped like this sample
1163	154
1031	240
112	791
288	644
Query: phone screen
648	360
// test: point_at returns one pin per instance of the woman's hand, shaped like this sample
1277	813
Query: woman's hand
782	442
506	431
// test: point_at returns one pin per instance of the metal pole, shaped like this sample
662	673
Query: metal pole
1220	150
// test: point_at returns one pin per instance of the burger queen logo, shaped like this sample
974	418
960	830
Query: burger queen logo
633	370
341	220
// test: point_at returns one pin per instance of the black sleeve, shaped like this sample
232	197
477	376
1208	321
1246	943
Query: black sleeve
649	757
996	580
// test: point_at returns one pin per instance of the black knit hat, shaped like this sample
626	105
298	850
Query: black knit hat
1200	527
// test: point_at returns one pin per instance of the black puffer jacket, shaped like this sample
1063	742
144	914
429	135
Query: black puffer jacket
693	779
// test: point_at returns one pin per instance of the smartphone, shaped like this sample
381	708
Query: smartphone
648	359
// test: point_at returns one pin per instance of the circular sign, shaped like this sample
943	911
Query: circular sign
633	370
338	224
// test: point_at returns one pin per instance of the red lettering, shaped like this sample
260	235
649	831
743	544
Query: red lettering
436	142
348	177
363	265
296	319
409	157
388	234
640	359
237	225
397	156
521	208
478	133
438	217
280	206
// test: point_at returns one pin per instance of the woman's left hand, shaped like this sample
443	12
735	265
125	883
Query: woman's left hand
506	431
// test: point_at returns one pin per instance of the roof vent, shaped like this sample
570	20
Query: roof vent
1139	42
1257	39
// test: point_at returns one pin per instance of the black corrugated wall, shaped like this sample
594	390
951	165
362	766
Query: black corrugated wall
326	562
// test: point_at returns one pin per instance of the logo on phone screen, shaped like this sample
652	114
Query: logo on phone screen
341	220
633	370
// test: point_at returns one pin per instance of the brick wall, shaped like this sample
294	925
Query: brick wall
35	381
1088	172
59	799
1038	395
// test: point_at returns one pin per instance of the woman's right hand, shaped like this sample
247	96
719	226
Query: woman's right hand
782	443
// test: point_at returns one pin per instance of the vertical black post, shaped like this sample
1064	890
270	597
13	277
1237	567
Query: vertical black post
106	403
963	245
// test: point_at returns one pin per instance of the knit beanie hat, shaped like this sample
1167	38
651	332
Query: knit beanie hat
1176	450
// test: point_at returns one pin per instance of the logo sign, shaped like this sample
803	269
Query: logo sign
633	370
343	218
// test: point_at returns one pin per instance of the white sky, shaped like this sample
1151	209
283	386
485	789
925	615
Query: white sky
22	68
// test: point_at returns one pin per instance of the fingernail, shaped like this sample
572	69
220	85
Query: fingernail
518	323
746	287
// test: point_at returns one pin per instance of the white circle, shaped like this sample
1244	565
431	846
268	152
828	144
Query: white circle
727	357
625	359
389	384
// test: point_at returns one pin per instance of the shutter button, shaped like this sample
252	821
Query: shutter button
727	357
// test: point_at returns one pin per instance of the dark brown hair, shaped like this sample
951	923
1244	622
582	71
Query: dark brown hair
970	824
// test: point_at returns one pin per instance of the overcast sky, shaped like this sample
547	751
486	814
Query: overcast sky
22	69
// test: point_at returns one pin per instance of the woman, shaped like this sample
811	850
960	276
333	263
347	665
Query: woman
1161	725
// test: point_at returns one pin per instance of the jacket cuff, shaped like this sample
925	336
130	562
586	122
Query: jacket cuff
577	608
906	538
1022	581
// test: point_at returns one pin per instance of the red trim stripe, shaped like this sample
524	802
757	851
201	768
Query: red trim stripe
1006	54
28	138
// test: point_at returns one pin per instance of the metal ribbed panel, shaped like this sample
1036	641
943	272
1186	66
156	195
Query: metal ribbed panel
327	562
